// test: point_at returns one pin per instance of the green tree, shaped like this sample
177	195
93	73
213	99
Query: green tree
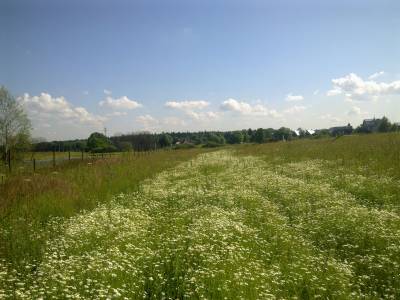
259	136
384	125
283	133
15	127
125	146
165	140
234	137
98	142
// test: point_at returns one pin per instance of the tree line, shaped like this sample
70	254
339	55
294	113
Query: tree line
15	135
146	141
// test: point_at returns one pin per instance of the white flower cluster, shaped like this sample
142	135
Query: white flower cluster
222	227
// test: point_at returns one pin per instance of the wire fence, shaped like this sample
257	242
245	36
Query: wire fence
51	161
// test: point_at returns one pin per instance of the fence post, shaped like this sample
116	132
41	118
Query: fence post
54	158
82	155
69	155
34	165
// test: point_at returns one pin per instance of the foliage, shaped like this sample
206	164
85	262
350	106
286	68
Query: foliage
145	141
15	126
99	143
259	136
165	140
384	125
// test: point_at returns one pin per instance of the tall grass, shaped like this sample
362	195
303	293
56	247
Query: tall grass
380	152
28	202
306	219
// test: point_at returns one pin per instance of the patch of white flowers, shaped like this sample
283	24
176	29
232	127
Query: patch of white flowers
222	227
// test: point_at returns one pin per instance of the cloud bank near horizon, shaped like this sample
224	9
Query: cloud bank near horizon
354	98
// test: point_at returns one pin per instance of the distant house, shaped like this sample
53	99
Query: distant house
310	131
341	130
370	125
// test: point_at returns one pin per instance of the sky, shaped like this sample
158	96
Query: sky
128	66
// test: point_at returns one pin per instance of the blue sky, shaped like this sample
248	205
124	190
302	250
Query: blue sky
79	66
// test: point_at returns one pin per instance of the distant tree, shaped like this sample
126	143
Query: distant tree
165	140
322	133
302	132
234	137
246	136
237	137
283	133
269	134
15	127
215	140
98	142
384	125
259	136
125	146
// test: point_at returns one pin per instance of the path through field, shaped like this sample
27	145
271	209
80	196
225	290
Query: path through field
223	227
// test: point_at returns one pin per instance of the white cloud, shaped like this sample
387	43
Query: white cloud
355	88
331	118
295	109
203	116
147	121
190	108
45	106
120	103
173	121
294	98
333	92
107	92
356	111
376	75
187	105
117	114
245	108
150	123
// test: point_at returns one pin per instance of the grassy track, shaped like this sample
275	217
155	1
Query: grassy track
29	203
229	226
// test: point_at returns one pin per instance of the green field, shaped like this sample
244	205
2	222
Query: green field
306	219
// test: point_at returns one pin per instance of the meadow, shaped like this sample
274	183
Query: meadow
308	219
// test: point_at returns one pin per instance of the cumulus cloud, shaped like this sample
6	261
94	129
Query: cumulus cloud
355	88
295	109
191	109
107	92
330	118
245	108
203	116
116	114
356	111
174	122
120	103
376	75
45	106
187	105
147	121
293	98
